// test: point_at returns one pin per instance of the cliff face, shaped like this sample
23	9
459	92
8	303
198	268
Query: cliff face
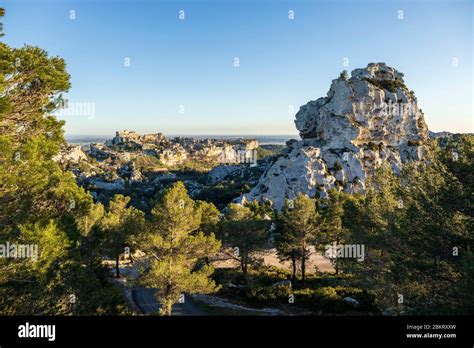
364	120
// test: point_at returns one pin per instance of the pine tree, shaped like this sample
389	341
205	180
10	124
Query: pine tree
176	246
246	231
410	225
332	228
210	217
120	224
298	227
40	203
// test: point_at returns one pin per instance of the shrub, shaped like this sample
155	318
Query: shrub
415	142
390	85
330	299
268	296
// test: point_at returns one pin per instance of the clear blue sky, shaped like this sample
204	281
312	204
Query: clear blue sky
283	62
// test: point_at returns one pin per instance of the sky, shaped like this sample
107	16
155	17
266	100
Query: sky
236	67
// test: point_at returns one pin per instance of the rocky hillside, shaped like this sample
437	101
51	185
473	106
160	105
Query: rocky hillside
369	118
140	166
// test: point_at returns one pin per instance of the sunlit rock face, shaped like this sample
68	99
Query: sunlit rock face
364	120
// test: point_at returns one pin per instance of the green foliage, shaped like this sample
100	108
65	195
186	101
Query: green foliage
224	192
40	203
262	153
409	226
200	166
337	166
148	164
51	241
267	296
2	13
246	229
458	157
210	217
344	75
389	85
297	229
329	300
333	230
120	224
177	245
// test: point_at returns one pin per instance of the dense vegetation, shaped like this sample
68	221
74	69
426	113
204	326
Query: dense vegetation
417	233
416	228
41	204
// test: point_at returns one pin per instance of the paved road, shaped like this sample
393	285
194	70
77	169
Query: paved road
145	299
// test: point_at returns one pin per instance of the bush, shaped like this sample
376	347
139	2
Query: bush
330	299
268	296
224	192
268	275
337	166
389	85
262	153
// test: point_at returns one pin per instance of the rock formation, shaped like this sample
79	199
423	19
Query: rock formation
363	121
141	166
70	154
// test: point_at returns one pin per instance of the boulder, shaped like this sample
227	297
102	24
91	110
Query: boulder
282	284
364	121
351	301
71	154
223	172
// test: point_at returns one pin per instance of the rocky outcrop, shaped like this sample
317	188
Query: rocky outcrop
364	120
173	155
141	166
224	172
135	140
70	154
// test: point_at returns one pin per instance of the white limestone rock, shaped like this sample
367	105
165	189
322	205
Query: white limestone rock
364	121
71	154
223	172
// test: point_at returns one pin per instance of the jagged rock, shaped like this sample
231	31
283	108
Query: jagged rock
173	155
164	177
108	186
363	121
223	172
133	139
100	151
193	187
282	284
136	175
70	154
351	301
374	105
138	163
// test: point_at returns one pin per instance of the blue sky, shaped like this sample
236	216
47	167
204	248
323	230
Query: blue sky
182	79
